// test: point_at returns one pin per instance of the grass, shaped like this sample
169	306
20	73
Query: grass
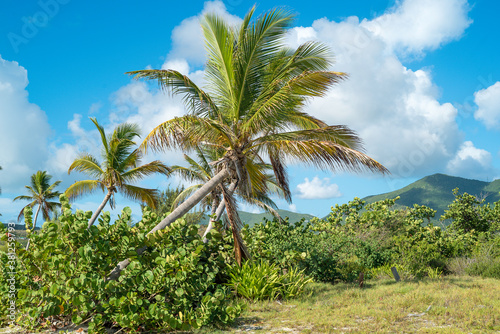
452	305
444	305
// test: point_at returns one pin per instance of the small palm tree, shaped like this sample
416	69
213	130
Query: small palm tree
41	192
119	168
201	170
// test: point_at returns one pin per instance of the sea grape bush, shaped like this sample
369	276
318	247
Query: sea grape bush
468	214
176	284
180	283
358	238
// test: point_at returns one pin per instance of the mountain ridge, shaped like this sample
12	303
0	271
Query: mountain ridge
436	192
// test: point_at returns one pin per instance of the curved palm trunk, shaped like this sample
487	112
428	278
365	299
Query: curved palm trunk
240	250
99	209
180	211
219	211
34	225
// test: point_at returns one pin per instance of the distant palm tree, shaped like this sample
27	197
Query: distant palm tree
119	168
41	192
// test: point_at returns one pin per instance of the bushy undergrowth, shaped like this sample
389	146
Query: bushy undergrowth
177	283
358	238
180	283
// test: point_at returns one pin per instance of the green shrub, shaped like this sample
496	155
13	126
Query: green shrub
468	213
176	284
486	258
261	280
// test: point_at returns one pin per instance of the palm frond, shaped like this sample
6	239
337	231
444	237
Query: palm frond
219	43
144	195
87	164
22	198
325	155
336	134
142	171
198	102
21	214
84	187
188	174
185	194
187	133
261	41
102	133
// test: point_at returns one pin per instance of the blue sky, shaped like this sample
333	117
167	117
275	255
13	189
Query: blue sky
423	89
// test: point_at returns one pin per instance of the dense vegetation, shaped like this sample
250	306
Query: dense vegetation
180	282
161	274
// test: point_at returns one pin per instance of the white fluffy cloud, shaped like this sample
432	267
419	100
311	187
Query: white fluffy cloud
317	189
488	103
24	129
472	162
413	26
394	109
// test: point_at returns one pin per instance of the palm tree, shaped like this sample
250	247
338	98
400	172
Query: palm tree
119	168
41	192
201	171
253	107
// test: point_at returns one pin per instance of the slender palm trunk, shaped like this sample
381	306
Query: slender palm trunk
176	214
99	209
34	225
219	211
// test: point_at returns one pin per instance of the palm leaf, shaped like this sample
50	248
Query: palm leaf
142	171
84	187
87	164
198	102
144	195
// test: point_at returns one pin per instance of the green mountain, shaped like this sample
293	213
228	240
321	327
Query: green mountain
435	191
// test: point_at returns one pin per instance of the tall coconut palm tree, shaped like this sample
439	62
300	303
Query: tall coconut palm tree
252	105
41	193
120	167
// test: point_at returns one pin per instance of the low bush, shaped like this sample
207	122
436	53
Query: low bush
176	284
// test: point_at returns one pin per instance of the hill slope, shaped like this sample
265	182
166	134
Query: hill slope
254	218
436	191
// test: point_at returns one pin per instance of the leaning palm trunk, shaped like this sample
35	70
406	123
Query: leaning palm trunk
219	211
180	211
34	225
99	209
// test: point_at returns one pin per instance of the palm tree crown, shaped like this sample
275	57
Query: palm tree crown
252	107
119	168
41	192
256	91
